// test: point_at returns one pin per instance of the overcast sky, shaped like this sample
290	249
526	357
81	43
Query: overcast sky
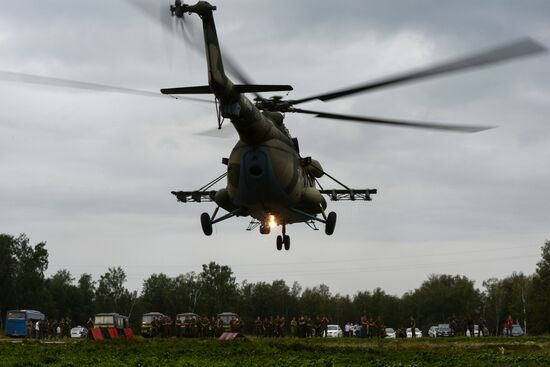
91	172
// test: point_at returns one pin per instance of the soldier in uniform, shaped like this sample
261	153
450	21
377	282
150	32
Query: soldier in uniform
28	328
68	326
481	324
454	325
53	328
364	326
90	324
302	325
220	327
212	327
154	327
205	322
369	327
309	326
282	326
167	326
374	331
413	327
470	325
258	327
381	327
294	327
62	328
45	328
317	326
239	325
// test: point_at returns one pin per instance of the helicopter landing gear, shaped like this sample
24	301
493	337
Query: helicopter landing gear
283	240
329	220
207	221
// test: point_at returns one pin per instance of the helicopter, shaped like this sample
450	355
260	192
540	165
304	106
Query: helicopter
268	179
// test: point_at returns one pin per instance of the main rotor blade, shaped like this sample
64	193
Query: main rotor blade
58	82
401	123
509	51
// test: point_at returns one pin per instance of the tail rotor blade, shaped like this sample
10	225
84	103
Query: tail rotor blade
168	27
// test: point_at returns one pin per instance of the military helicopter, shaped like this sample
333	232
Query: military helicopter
267	177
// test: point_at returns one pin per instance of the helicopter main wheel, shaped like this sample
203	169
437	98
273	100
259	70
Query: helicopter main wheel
286	242
279	242
206	224
330	223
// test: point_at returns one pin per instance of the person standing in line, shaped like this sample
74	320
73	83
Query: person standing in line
508	324
324	325
294	327
413	327
28	329
481	327
37	330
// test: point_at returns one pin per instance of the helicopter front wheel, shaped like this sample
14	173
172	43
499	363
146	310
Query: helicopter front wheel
286	242
206	224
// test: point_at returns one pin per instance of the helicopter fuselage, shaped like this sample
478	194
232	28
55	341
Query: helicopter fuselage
265	172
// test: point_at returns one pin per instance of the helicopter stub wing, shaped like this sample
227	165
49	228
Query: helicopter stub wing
195	196
349	195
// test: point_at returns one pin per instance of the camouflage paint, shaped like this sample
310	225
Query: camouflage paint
282	183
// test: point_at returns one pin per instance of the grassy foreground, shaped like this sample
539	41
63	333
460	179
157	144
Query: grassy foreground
282	352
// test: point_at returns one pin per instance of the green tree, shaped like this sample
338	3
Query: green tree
86	291
158	294
442	296
22	274
111	295
218	289
540	293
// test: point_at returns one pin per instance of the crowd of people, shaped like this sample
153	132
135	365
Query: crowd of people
194	327
301	327
48	329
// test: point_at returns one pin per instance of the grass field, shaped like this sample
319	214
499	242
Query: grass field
281	352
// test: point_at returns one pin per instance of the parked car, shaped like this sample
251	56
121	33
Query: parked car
334	331
418	333
432	331
390	333
516	330
444	330
79	332
476	331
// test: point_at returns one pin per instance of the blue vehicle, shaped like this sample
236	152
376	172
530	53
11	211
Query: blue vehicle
16	321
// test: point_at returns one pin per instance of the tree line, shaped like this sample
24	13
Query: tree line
214	289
